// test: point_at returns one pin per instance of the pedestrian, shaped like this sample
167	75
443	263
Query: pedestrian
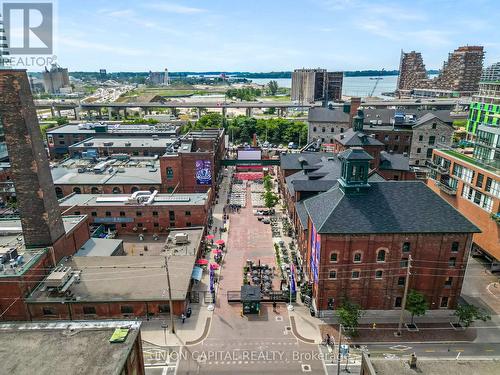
183	317
328	338
274	306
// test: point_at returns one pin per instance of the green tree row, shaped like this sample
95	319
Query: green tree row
245	93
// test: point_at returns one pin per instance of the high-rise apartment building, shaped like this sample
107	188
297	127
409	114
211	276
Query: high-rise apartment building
310	85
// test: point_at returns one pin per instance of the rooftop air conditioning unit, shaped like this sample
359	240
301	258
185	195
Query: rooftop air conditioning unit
128	144
107	144
59	276
181	238
88	144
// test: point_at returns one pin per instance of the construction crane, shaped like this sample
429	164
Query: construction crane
377	79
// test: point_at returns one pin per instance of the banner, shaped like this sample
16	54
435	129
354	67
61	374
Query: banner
315	254
203	170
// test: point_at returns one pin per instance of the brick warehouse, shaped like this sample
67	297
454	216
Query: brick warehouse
130	214
361	233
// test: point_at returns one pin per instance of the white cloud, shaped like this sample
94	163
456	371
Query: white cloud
174	8
86	46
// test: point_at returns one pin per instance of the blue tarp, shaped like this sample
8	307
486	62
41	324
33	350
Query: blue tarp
197	272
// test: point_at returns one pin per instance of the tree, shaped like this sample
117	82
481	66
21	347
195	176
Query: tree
268	184
349	314
210	120
270	199
467	314
272	87
416	304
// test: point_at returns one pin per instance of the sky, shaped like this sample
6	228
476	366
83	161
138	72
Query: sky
268	35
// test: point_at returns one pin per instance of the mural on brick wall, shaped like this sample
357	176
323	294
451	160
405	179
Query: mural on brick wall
203	172
315	254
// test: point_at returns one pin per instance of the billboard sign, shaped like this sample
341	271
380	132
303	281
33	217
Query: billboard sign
203	170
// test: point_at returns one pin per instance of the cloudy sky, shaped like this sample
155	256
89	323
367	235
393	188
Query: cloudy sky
266	35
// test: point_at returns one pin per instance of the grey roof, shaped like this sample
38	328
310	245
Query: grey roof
396	162
60	348
386	207
322	114
99	247
301	214
355	153
425	118
119	200
134	175
124	142
386	115
355	138
292	160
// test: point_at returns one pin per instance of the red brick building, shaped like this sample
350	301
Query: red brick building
361	235
131	214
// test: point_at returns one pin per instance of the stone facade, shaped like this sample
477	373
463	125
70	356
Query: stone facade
427	135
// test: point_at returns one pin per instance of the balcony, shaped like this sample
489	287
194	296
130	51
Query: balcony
446	189
496	217
436	167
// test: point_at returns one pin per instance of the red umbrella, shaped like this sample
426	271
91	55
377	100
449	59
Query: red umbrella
210	237
216	251
214	266
219	242
202	261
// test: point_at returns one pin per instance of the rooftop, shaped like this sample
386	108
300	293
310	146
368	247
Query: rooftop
130	278
121	200
99	247
471	160
355	138
162	129
122	142
395	162
322	114
386	207
299	160
65	347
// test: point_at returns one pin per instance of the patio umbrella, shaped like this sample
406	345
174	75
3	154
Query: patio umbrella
219	242
210	237
216	251
214	266
202	261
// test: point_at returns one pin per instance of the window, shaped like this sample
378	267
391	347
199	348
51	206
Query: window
332	130
448	281
315	129
406	247
334	257
77	190
48	310
420	138
138	213
322	129
188	224
171	215
330	303
122	213
164	309
341	130
452	262
378	274
172	224
479	180
89	310
170	173
444	302
124	225
396	138
355	275
403	263
454	247
61	142
332	274
188	213
434	125
155	213
443	139
492	187
475	196
170	189
381	256
140	225
398	302
357	257
156	225
93	213
419	150
116	190
429	153
108	213
127	309
401	281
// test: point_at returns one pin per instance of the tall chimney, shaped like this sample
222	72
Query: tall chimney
355	104
40	216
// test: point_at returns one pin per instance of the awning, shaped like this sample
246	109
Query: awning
197	273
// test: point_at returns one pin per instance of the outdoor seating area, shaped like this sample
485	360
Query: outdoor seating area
257	191
257	274
238	194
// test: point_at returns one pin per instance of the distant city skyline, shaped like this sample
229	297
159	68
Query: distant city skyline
258	36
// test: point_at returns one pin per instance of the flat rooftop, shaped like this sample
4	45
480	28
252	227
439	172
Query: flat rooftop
105	200
65	347
128	175
130	278
133	142
161	129
99	247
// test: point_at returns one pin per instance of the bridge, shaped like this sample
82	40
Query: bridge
115	108
229	162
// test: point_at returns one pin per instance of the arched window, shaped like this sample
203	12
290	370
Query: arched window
116	190
170	173
381	255
59	193
95	190
134	189
152	189
77	190
357	257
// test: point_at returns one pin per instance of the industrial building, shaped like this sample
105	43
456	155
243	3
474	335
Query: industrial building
140	212
311	85
56	80
459	76
61	138
62	348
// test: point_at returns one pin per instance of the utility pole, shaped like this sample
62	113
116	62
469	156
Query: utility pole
170	297
340	344
403	303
